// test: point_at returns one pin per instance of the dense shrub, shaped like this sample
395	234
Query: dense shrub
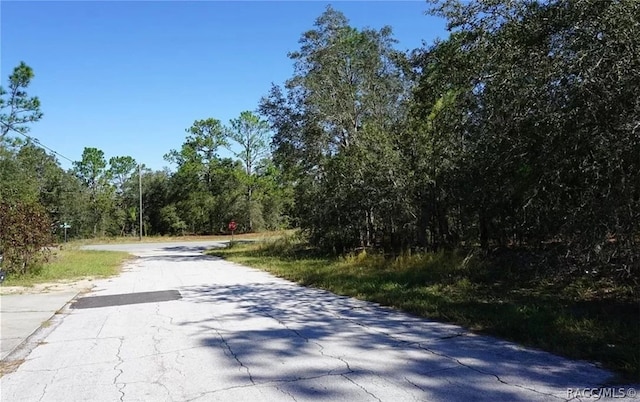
25	231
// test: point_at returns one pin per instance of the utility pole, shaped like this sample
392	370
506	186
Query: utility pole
140	191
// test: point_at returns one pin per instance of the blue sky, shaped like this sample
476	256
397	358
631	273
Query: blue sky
128	77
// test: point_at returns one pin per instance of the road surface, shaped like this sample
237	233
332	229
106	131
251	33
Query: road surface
177	325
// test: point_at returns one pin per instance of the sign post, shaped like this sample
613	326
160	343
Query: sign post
232	228
65	226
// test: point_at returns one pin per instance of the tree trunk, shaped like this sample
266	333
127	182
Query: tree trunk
249	212
484	232
423	222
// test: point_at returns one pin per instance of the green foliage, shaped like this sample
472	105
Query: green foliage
518	130
201	178
250	134
548	142
121	172
171	220
335	132
22	108
25	229
92	172
207	191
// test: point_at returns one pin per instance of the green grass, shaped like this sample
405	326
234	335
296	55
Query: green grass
70	264
581	318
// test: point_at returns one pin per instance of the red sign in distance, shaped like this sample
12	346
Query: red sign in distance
232	226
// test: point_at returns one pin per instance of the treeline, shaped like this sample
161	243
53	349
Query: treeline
100	197
522	128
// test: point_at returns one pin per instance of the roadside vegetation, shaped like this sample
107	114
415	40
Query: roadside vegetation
580	316
69	264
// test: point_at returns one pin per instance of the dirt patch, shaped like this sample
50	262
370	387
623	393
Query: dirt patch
7	367
79	285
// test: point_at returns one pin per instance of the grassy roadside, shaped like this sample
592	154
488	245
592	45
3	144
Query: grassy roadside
582	318
71	263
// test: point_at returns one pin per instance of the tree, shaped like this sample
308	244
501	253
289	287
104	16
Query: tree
201	180
200	149
334	127
22	108
548	124
251	135
155	196
92	171
121	169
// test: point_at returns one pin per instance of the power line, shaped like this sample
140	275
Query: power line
37	142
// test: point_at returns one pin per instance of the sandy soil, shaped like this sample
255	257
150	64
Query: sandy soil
80	285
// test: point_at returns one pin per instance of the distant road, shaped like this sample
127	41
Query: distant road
145	248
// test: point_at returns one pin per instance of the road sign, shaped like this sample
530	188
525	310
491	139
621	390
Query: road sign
232	226
65	226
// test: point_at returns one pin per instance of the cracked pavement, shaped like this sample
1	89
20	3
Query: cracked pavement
241	334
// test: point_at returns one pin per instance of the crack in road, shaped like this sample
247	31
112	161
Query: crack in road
164	316
427	373
267	384
360	386
44	390
117	367
156	340
422	347
322	353
415	385
477	370
319	345
284	391
392	337
102	326
228	347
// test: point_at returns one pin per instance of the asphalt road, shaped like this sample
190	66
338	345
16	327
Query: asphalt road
232	333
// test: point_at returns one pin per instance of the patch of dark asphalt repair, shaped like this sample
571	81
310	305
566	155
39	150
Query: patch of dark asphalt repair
126	298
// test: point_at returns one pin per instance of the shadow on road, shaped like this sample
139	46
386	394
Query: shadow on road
179	258
181	254
313	334
186	249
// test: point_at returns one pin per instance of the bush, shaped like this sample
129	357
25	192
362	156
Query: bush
25	231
